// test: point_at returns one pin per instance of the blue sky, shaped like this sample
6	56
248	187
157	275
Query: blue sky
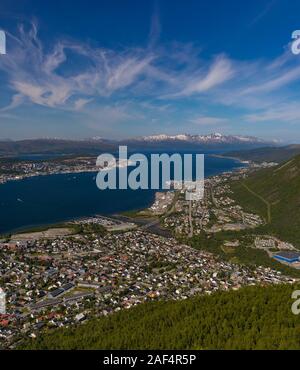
122	68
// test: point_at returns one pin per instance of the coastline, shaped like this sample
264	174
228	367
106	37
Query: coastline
67	172
30	176
231	157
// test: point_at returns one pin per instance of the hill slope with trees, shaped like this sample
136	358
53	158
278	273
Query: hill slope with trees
274	193
268	154
250	318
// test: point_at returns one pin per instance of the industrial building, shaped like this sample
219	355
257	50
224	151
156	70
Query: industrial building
287	256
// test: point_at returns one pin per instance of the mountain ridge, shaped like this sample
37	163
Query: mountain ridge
98	145
213	137
268	154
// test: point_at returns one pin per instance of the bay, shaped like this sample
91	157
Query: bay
44	200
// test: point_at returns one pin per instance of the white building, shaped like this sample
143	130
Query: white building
2	302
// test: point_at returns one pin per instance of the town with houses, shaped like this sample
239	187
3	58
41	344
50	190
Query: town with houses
14	170
212	214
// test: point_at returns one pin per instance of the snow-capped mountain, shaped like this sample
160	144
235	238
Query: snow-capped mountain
215	138
211	142
184	142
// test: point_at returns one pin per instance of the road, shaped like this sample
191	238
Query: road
269	216
191	233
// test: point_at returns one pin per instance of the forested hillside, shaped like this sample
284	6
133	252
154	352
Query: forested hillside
274	194
250	318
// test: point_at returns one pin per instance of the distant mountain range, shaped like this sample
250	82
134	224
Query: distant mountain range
268	154
211	141
211	138
216	141
54	146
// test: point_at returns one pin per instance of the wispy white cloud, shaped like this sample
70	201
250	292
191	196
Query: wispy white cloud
268	7
208	120
48	77
80	103
261	85
219	72
275	83
283	113
155	29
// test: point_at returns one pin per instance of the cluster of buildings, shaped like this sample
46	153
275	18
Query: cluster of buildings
281	251
17	170
216	212
268	242
110	224
162	202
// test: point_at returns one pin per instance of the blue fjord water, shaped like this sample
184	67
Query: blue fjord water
44	200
